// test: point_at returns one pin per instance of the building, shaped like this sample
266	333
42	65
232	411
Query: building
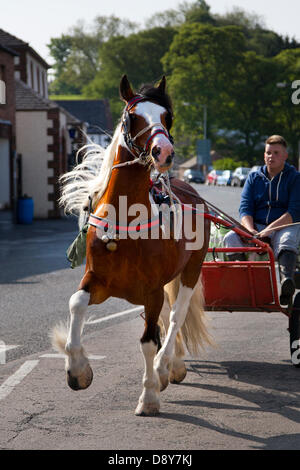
30	67
97	116
7	126
36	142
43	139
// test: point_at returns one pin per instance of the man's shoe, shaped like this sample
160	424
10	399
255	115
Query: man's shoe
287	264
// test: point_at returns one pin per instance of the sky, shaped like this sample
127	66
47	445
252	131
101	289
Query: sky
36	21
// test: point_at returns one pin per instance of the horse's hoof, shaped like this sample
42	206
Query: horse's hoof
147	409
81	382
178	375
164	381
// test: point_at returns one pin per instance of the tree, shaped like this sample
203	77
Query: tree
201	62
138	55
286	111
76	54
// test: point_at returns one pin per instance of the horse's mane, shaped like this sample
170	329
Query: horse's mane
88	178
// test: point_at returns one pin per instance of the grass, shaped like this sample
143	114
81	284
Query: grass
67	97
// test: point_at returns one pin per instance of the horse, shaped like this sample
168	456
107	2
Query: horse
161	274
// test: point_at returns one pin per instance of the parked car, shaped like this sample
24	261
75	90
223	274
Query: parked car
239	176
193	176
225	178
255	168
212	176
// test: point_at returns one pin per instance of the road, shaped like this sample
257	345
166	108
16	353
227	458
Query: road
241	394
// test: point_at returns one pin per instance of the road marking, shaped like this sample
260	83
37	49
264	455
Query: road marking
114	315
63	356
7	347
10	383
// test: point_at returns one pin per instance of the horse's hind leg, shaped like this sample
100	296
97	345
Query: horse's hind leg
177	369
177	317
149	399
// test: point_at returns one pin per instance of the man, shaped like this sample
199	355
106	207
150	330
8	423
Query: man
270	199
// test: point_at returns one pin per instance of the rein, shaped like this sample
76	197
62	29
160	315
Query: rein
141	152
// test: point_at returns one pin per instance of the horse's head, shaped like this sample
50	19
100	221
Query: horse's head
147	120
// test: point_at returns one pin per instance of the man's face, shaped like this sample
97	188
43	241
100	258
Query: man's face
275	156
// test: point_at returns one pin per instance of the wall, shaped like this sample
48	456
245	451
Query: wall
7	111
36	76
4	174
32	143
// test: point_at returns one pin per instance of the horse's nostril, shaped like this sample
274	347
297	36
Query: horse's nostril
155	151
170	158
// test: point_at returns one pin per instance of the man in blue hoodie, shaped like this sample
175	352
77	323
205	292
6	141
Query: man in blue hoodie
270	199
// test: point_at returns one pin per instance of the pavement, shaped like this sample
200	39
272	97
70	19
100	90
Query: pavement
242	394
235	396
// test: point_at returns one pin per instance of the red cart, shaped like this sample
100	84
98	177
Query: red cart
248	285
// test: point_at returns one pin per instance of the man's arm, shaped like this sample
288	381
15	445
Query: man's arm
248	223
283	220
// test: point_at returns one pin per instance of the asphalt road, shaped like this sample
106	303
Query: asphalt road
241	394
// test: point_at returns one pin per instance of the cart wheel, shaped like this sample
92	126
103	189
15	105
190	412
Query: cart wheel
294	327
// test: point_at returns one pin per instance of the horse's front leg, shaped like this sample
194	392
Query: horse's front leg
79	372
149	399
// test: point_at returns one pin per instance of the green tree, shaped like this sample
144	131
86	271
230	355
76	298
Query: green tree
138	55
286	111
76	54
201	62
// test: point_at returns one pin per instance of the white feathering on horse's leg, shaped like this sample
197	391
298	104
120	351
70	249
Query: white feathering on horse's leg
149	399
79	372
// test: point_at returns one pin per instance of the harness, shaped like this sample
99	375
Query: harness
141	153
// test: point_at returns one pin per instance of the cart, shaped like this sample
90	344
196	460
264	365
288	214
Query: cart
248	285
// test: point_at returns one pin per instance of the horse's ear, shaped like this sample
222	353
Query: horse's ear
162	85
126	92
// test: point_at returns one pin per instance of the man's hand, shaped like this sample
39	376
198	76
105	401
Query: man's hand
265	233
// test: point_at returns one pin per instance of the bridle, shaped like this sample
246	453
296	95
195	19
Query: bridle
141	153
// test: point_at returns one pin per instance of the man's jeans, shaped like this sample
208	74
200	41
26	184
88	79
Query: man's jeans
285	239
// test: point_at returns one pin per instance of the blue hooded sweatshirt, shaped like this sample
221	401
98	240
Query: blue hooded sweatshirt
268	199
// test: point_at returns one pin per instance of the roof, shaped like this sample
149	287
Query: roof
8	50
94	112
29	100
15	44
189	163
10	40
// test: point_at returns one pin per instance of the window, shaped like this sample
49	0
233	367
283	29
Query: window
32	76
38	79
2	85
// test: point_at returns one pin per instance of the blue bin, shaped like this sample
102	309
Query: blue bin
25	210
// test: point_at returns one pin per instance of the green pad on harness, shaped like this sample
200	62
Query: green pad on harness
77	250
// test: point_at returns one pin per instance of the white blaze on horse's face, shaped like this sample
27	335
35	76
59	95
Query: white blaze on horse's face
161	149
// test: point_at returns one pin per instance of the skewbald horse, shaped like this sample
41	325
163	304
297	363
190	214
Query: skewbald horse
161	274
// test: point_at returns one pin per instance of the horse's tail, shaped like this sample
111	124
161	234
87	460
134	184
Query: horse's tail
58	337
194	331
